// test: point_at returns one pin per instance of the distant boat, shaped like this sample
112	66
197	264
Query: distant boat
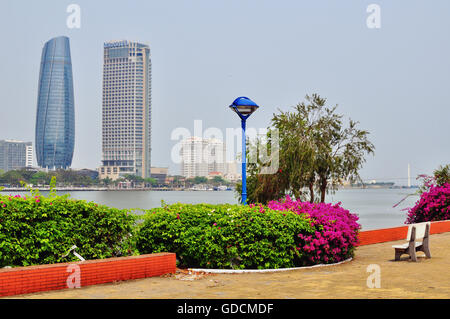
374	185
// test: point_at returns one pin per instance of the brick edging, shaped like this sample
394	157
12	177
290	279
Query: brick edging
376	236
24	280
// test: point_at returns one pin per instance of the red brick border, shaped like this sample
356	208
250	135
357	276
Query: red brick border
370	237
23	280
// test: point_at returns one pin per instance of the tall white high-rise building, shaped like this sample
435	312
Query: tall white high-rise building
200	157
29	155
126	110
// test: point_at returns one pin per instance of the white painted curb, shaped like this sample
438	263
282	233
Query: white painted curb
240	271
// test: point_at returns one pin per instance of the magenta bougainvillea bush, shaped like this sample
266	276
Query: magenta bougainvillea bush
433	205
336	230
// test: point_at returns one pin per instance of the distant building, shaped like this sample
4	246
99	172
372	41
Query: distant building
232	174
214	174
160	174
126	110
29	155
15	155
111	172
88	172
55	118
200	157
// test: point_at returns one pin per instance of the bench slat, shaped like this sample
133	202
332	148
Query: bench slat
420	230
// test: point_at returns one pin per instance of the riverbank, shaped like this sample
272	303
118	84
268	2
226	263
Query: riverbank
105	189
175	189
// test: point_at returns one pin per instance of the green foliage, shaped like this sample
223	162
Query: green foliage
38	230
52	192
151	181
219	180
224	236
106	181
13	178
316	153
442	175
40	178
197	180
64	177
133	178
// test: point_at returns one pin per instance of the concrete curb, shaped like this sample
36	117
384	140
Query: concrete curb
240	271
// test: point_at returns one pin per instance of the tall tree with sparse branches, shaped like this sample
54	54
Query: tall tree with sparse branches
317	152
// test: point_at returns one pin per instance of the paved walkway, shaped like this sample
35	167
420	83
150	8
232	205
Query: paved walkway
426	278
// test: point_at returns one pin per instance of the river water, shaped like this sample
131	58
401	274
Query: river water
373	206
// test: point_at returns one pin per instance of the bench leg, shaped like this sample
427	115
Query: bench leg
426	248
412	253
398	253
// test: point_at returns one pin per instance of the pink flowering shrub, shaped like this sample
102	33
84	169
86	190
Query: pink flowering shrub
336	230
433	205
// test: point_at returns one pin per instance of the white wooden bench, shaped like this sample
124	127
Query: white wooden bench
416	232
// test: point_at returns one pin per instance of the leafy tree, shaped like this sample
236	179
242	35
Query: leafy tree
26	174
198	180
442	175
40	178
134	179
218	180
178	180
316	153
151	181
106	181
12	178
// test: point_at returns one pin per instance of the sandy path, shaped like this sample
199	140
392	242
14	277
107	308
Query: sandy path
427	278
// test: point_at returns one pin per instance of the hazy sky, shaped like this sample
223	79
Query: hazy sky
393	80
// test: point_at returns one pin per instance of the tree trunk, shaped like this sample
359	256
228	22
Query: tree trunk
311	192
323	189
296	194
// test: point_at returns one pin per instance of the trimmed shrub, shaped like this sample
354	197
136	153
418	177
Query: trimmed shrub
433	205
38	230
225	236
335	230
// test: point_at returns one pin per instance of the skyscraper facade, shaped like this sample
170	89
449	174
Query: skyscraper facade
126	110
15	155
55	119
202	156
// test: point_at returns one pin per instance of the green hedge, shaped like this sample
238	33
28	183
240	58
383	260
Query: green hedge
38	230
225	236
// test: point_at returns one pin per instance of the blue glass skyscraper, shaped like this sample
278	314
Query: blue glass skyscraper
55	119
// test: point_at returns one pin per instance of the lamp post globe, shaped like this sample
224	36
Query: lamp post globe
244	107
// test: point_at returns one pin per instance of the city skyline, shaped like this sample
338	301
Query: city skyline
392	80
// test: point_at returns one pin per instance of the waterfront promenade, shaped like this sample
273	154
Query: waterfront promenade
427	278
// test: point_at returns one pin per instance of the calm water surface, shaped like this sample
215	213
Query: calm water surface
373	206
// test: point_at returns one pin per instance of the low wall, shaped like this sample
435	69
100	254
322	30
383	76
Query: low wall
398	233
23	280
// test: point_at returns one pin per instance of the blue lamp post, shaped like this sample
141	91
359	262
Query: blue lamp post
244	107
